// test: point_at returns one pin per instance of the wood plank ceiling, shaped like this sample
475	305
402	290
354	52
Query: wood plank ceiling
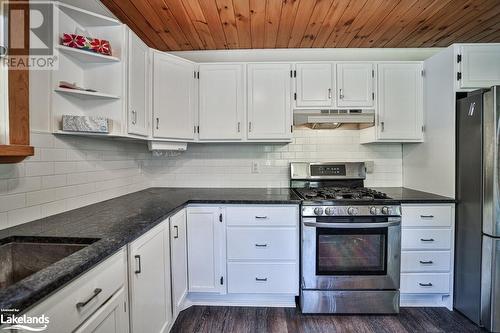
170	25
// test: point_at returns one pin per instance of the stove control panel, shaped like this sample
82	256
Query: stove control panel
391	210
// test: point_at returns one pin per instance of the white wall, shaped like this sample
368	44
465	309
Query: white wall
230	165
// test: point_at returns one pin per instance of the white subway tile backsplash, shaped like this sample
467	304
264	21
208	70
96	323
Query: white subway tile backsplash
65	173
39	168
68	172
13	201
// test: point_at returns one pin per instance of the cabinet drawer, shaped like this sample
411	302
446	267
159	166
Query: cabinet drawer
262	215
425	283
263	278
425	261
262	243
62	309
426	239
427	216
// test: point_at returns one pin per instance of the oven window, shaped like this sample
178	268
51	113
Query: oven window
351	251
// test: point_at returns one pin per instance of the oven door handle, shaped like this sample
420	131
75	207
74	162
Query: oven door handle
391	223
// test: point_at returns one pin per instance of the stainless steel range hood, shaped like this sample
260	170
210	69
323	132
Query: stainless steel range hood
332	118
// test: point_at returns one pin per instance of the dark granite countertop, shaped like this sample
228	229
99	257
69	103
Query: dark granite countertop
119	221
406	195
115	222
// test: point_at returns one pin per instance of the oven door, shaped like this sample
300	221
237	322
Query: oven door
340	253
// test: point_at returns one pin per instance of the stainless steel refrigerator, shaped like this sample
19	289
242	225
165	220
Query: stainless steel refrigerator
477	243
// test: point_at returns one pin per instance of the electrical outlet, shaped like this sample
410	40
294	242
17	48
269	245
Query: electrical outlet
255	167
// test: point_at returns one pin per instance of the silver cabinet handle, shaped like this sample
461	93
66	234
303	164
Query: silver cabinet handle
261	217
329	93
260	245
176	228
341	95
426	262
134	117
96	292
427	239
157	123
138	264
249	126
426	216
261	279
382	125
239	125
425	284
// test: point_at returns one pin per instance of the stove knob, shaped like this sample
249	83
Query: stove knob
318	211
352	211
330	211
373	210
385	210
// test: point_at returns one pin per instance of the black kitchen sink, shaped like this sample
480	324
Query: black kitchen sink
21	257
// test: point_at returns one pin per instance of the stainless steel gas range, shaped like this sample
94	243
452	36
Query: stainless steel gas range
350	241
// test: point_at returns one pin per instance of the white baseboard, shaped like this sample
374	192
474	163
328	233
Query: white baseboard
254	300
418	300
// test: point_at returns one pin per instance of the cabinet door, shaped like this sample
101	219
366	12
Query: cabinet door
206	250
314	85
221	102
480	66
173	97
178	255
139	87
355	85
400	110
269	101
149	275
110	318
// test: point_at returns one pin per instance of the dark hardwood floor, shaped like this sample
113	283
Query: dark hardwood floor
262	320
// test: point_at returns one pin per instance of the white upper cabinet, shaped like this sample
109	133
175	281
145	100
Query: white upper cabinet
139	86
355	85
149	278
178	255
478	65
315	85
221	108
269	101
173	97
206	250
400	101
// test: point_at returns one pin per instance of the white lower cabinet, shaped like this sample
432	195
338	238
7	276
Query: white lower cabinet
262	277
95	302
110	318
178	260
206	249
427	255
149	279
263	249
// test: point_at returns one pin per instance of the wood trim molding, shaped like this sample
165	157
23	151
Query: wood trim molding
19	110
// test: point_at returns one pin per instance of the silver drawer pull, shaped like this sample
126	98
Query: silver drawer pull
426	216
427	239
261	280
138	264
261	217
426	262
425	284
96	292
260	245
